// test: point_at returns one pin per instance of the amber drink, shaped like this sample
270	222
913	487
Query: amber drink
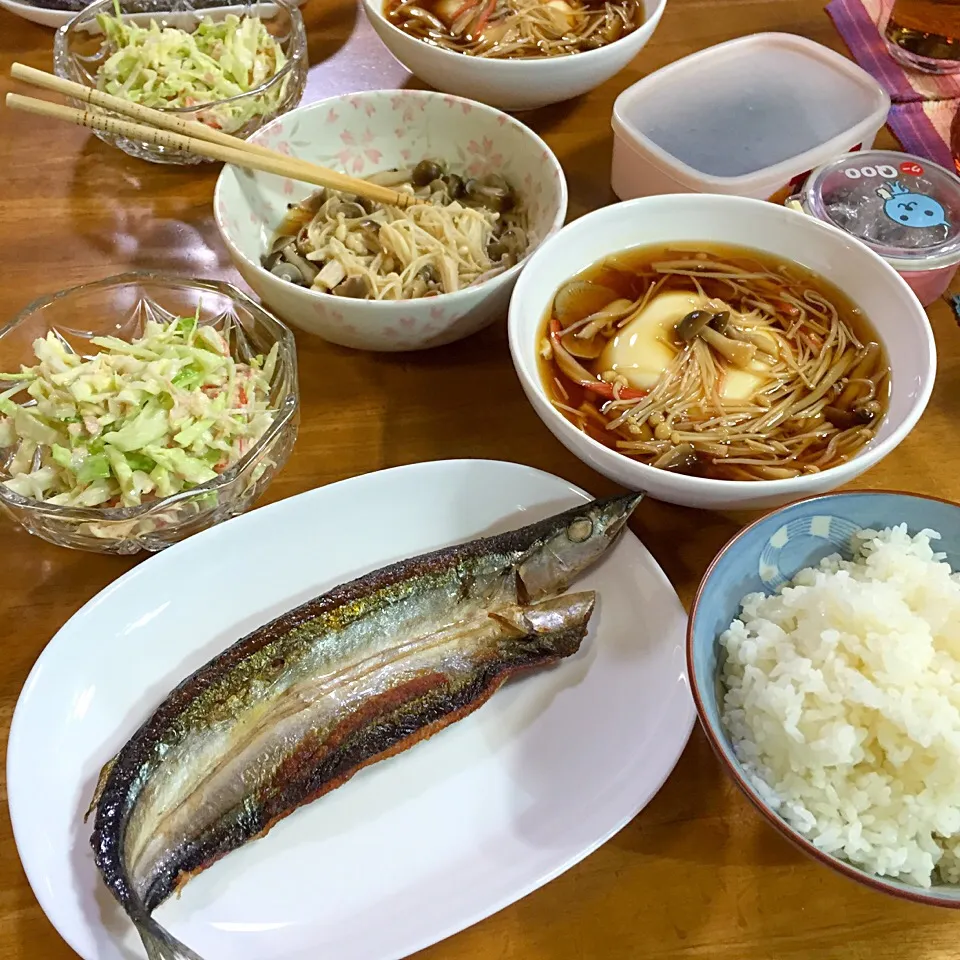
925	35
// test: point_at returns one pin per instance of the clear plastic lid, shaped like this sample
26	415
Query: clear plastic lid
768	105
905	208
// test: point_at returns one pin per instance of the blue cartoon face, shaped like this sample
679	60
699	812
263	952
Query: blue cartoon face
911	209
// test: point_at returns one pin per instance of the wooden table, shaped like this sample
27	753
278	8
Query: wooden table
698	874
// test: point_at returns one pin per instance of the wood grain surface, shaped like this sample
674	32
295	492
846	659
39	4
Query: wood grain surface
697	874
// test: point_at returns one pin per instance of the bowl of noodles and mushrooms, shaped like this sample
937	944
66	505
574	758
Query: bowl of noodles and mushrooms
515	54
720	352
487	191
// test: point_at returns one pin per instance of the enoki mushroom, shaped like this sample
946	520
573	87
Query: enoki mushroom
767	371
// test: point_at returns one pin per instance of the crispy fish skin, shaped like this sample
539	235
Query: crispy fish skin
298	706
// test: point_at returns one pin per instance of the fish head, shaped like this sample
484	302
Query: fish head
571	542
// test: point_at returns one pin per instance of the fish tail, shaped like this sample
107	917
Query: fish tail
160	945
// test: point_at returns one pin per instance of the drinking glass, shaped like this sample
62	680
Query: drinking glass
925	35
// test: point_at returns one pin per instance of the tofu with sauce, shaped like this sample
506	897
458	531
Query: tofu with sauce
644	347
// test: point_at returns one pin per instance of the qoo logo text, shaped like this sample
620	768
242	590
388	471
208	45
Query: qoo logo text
883	170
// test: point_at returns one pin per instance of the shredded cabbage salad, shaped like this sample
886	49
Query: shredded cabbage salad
138	421
164	67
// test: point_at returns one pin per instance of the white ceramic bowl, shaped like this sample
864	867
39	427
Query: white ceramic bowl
514	84
361	134
887	301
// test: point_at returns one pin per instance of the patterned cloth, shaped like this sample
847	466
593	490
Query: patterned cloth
923	105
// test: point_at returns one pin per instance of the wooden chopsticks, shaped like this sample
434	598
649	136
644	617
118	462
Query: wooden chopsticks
177	133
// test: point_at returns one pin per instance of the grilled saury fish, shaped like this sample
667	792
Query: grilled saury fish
293	710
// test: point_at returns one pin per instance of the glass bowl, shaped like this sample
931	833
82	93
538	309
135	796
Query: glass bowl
119	306
79	52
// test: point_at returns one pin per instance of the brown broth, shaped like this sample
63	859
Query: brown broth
507	29
630	274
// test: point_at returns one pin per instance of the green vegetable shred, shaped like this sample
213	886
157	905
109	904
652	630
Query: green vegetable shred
139	420
166	67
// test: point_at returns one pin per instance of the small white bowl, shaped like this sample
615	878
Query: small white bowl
514	84
361	134
890	305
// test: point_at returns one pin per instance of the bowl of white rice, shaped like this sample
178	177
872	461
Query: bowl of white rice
824	654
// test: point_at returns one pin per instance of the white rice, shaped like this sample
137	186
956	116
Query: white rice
843	704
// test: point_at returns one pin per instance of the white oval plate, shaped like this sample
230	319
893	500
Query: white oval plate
414	848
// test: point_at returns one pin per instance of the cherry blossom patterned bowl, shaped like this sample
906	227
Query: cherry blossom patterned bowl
361	134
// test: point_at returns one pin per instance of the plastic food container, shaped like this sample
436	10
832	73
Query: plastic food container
750	117
907	209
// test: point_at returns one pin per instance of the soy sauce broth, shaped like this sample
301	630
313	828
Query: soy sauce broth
630	275
516	29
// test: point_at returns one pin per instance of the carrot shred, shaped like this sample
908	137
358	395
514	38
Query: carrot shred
462	9
483	17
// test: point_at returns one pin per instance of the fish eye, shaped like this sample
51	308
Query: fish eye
580	530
